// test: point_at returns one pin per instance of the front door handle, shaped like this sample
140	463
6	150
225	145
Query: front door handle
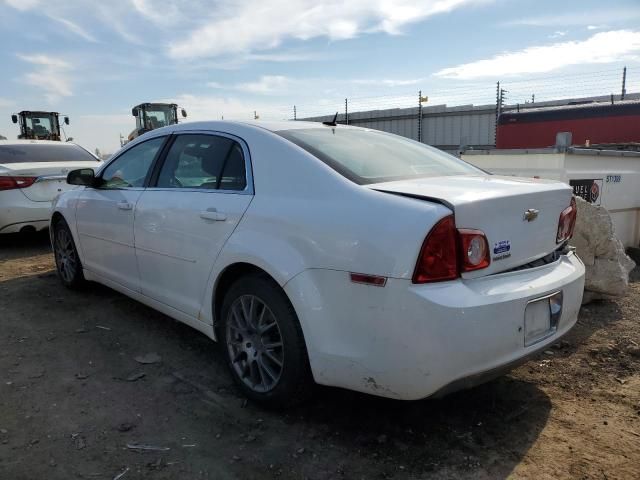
213	214
124	206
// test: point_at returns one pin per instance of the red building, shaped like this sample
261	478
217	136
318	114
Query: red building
593	123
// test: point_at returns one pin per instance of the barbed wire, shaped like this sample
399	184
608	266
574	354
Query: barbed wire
521	91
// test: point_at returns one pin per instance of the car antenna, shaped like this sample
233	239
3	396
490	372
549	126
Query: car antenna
332	123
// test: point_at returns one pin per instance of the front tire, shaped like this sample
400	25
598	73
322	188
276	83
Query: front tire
263	343
68	266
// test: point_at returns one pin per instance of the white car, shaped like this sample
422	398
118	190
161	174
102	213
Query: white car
347	256
32	173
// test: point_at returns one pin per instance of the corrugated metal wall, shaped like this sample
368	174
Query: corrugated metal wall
443	127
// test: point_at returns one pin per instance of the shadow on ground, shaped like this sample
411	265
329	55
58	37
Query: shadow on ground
67	357
23	245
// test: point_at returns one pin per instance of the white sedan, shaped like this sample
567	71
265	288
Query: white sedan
328	253
32	173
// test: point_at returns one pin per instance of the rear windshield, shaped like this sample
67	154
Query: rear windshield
370	156
34	152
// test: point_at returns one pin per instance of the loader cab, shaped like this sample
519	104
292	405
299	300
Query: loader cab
39	125
150	116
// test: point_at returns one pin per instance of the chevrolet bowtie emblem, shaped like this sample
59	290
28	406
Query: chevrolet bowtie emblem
530	215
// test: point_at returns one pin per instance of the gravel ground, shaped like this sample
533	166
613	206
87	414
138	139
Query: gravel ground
75	402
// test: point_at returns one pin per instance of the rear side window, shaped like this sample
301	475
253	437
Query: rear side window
370	156
34	152
204	161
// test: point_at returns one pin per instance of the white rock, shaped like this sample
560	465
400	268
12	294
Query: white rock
603	254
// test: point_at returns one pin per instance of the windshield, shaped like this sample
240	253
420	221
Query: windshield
157	117
370	156
39	125
44	153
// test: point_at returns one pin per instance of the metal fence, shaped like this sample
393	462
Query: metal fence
466	115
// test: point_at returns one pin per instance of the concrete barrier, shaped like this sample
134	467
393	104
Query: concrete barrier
607	265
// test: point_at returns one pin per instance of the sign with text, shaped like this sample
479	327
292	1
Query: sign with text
589	189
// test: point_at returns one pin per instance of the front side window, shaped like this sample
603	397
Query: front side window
130	169
203	161
370	156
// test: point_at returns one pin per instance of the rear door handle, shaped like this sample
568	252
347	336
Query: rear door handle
213	214
124	206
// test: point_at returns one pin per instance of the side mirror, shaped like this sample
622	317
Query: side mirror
14	118
66	120
83	176
183	111
70	139
134	112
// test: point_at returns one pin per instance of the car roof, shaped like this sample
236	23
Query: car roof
231	126
278	125
271	125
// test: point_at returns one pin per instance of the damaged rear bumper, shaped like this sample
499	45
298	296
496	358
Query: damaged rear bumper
409	341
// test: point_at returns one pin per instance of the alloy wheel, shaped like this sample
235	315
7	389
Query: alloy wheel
254	343
66	257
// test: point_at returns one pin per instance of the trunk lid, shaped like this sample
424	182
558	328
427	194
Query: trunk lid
52	177
497	205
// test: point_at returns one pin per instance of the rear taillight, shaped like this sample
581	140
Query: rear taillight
567	222
475	250
11	183
438	260
447	252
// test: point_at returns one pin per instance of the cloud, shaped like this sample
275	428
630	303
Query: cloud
291	88
240	60
204	107
558	34
162	12
22	5
52	75
47	61
235	32
74	28
389	82
603	47
266	84
578	18
285	57
114	15
245	26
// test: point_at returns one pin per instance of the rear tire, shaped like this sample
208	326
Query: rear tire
263	343
68	266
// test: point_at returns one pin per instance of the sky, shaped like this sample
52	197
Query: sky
94	60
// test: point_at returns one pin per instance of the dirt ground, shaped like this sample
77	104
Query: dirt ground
74	402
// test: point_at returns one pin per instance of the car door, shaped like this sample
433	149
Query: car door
104	215
199	194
